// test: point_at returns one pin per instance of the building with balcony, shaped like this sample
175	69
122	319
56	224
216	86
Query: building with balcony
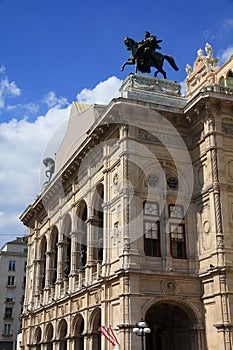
13	261
137	221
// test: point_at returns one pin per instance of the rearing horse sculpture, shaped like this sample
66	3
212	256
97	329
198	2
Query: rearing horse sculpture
144	58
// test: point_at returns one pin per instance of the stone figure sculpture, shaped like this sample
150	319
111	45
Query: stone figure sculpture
50	164
144	55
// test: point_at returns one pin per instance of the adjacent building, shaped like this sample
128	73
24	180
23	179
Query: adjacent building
137	221
13	261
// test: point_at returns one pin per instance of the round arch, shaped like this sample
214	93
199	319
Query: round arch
98	221
229	78
54	254
77	330
62	333
174	324
66	251
38	336
81	236
49	336
42	261
94	323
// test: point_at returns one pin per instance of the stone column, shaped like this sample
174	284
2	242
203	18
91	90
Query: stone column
75	256
59	261
92	227
48	269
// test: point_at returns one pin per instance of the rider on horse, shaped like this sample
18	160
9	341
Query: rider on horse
150	41
146	51
144	55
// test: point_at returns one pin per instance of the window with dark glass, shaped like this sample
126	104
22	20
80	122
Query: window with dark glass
12	265
151	229
177	240
177	231
8	312
151	234
7	329
11	280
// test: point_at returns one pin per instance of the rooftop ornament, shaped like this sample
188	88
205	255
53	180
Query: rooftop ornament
50	164
144	55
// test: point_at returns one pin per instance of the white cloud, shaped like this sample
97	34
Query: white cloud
7	89
223	31
53	101
102	93
224	55
24	145
29	107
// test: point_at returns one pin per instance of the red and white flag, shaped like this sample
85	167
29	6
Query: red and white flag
109	335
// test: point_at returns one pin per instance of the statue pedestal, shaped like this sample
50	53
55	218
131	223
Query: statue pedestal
150	89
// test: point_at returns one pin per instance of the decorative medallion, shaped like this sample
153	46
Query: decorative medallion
152	180
115	179
172	183
169	287
206	227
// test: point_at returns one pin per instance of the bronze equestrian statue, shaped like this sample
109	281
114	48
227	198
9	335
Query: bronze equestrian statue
144	56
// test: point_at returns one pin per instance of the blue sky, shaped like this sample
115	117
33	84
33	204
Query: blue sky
55	52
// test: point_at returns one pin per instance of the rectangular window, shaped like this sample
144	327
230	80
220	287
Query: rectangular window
8	312
151	238
177	240
151	209
25	266
176	211
151	228
11	280
7	329
9	297
12	265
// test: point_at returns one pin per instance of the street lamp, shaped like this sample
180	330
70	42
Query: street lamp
141	330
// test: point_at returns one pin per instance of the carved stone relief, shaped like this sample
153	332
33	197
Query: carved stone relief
169	287
206	228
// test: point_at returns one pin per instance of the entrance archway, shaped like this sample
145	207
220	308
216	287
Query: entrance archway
173	327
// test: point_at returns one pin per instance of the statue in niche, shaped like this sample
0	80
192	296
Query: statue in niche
144	55
50	164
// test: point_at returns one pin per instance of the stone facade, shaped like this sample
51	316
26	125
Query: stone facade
13	260
137	221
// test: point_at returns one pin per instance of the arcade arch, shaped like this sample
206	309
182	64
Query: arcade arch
173	326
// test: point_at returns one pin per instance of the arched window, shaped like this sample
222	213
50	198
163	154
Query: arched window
229	79
62	327
38	338
222	81
95	323
67	246
43	250
78	333
49	337
99	222
81	239
54	247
